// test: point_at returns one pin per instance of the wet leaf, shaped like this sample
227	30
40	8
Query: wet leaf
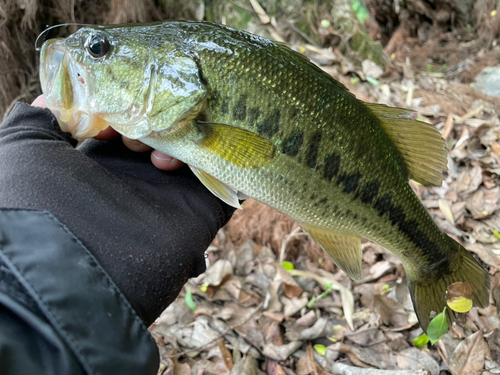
437	327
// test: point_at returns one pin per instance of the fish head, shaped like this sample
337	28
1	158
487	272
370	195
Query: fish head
133	81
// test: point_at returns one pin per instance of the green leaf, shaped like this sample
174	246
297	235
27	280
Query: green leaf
189	300
385	287
320	349
421	340
437	327
288	265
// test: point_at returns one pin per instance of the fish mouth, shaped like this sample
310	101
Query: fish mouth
65	85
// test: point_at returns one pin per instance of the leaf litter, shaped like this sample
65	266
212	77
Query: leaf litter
272	302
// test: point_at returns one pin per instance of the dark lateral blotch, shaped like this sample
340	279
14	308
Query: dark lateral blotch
240	108
350	182
332	166
269	126
292	143
313	150
369	191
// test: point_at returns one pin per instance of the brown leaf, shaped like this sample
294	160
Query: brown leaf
413	358
459	289
226	355
292	289
308	319
217	274
273	368
282	352
469	180
390	311
483	202
247	366
469	356
305	366
294	305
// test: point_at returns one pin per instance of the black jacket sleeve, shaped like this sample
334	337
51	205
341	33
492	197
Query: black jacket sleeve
60	313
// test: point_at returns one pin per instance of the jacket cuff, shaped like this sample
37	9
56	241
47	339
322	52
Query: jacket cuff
75	294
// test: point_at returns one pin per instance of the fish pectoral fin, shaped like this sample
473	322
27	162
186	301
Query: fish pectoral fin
420	144
344	250
218	188
235	145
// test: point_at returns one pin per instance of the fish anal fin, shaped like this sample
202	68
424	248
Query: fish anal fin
218	188
421	145
343	249
235	145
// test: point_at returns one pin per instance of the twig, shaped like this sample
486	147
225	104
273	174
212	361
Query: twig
470	114
204	346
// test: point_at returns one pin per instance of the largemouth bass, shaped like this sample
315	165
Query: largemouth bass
253	118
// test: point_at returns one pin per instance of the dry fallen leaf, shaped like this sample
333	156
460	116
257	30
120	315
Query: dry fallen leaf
469	356
390	311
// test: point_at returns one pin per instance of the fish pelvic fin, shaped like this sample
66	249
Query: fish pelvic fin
430	295
225	193
421	145
343	250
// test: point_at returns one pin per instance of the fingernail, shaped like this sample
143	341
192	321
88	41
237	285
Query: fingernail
162	157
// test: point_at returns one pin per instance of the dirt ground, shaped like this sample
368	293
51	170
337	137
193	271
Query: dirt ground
247	314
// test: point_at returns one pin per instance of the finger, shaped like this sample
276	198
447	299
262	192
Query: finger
109	133
135	145
165	162
39	102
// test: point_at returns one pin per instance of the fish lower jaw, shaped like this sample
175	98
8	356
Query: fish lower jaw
80	124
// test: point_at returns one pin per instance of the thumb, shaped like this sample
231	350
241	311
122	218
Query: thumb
39	102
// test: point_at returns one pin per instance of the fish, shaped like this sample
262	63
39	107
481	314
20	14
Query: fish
254	118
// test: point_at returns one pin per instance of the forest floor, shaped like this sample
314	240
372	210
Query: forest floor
247	314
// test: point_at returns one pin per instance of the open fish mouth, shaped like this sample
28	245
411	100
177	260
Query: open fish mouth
65	85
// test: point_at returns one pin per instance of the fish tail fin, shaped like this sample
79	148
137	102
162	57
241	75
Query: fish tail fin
430	295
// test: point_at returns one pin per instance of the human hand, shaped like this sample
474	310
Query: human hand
147	228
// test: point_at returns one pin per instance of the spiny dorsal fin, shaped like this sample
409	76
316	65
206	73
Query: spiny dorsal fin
344	250
420	144
238	146
217	188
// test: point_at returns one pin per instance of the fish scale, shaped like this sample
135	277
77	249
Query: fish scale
253	117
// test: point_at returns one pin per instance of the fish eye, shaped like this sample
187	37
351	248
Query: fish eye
97	45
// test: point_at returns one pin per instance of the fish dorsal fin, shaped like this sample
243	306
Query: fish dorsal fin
420	144
238	146
343	249
217	188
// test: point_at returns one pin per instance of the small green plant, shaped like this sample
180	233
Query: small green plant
313	300
288	265
189	300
